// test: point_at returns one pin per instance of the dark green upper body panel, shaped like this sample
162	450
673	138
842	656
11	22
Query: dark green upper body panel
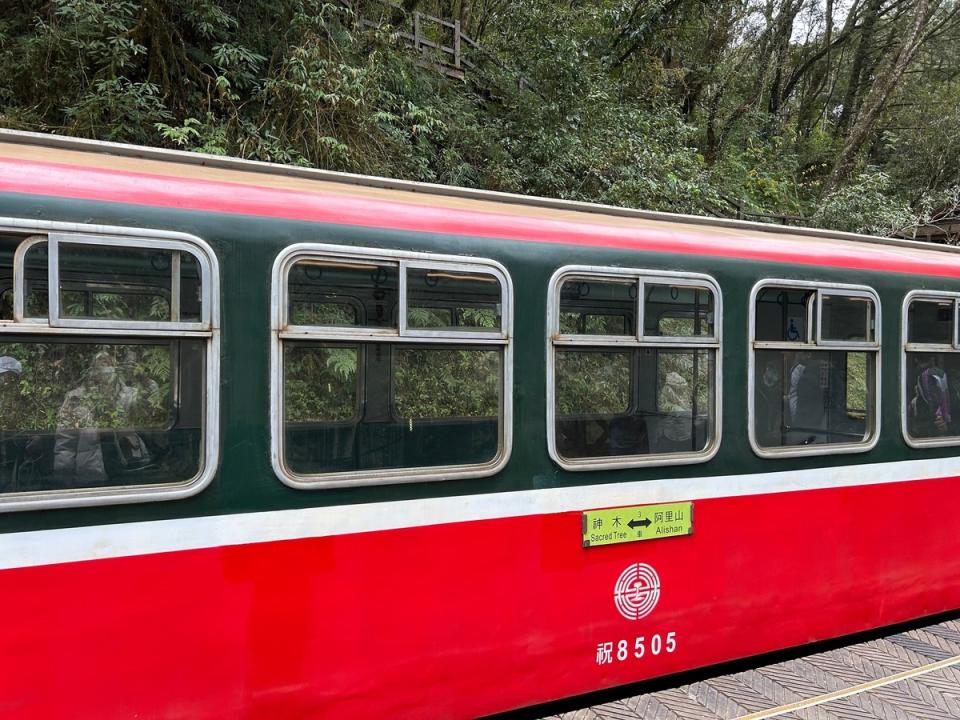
246	248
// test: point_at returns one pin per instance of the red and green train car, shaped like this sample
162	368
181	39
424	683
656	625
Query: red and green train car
281	443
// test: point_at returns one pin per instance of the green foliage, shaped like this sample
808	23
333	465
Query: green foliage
440	317
59	387
763	172
420	317
680	106
857	389
865	205
114	305
435	383
576	323
478	317
320	383
593	382
306	312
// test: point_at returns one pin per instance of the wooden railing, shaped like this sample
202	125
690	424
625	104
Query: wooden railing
441	43
737	208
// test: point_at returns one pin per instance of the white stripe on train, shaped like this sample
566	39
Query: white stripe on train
46	547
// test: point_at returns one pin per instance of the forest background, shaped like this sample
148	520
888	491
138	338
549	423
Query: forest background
838	113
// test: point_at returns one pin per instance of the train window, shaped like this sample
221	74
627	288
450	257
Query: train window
395	367
598	308
931	322
813	382
320	312
330	368
116	408
343	294
447	300
784	315
593	381
633	368
98	282
846	317
103	283
84	414
931	369
678	311
422	387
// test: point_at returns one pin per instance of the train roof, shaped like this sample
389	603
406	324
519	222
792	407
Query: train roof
44	150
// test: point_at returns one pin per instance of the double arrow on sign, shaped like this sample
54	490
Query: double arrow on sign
639	523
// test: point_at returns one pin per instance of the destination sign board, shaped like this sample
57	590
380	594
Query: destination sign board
639	522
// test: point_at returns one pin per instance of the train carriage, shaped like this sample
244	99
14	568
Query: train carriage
278	442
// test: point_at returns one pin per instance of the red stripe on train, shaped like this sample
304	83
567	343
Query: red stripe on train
463	619
138	188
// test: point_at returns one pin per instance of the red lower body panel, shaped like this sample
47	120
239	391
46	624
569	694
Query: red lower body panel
460	620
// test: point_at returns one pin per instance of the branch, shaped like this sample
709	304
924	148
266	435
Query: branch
807	64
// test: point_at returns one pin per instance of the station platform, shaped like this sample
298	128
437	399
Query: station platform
908	673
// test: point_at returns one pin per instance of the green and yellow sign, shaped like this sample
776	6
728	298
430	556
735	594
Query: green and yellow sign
640	522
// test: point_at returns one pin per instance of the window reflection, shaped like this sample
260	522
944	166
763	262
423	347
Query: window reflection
81	414
813	397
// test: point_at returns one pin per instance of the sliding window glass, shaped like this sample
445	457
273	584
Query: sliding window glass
815	352
389	366
633	368
108	368
931	369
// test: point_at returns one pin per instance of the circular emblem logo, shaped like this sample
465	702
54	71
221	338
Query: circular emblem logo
637	591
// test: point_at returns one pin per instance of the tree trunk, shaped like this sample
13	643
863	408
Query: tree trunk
704	69
782	32
871	14
882	89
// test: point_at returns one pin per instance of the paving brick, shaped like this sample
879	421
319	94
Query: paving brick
932	696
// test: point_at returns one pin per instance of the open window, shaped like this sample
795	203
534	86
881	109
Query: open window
930	369
815	355
108	351
633	368
389	366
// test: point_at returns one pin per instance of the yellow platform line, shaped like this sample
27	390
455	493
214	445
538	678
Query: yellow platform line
853	690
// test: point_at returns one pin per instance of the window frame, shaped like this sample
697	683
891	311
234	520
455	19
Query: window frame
814	342
46	329
821	341
401	336
907	347
53	240
554	341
